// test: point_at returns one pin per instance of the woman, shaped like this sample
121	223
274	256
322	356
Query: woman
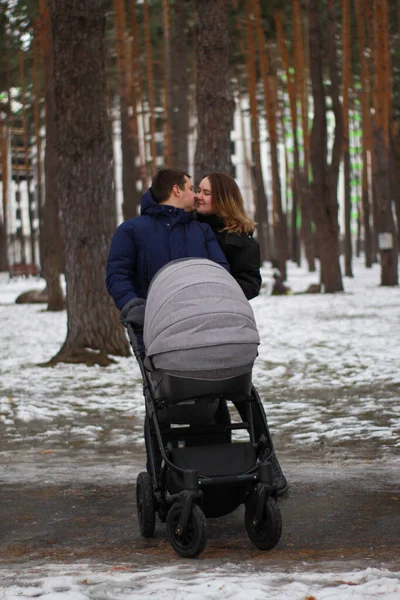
219	203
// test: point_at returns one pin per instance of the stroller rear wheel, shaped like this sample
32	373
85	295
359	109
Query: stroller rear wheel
145	505
193	541
266	533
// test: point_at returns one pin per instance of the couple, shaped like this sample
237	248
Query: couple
168	230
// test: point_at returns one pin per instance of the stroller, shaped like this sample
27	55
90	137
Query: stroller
201	342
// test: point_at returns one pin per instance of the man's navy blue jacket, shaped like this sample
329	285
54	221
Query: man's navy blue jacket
143	245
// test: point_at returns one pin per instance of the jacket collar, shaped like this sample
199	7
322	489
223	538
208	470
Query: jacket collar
214	221
148	206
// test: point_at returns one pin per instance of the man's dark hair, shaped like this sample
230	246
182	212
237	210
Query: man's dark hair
163	182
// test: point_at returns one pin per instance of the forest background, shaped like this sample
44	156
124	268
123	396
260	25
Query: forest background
69	63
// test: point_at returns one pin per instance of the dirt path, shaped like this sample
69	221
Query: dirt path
345	514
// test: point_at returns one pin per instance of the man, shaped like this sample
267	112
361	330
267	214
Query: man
163	232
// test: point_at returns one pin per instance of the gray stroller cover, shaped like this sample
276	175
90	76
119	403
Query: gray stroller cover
198	322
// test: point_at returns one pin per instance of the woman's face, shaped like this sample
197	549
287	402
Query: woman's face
203	199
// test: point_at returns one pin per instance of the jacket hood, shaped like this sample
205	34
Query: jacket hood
148	206
147	202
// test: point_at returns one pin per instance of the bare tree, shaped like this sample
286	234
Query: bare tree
214	95
179	104
50	231
85	176
131	196
366	133
385	226
4	178
270	86
248	50
302	93
346	45
150	84
324	188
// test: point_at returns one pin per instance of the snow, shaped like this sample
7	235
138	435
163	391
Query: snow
328	370
185	582
328	373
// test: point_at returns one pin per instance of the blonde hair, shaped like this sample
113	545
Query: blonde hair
228	202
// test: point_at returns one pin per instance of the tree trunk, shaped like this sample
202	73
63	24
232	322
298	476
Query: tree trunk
27	166
372	64
137	93
167	81
131	196
366	135
261	203
387	236
348	250
395	182
150	85
179	105
324	200
296	246
50	227
36	119
301	85
271	110
291	88
214	95
4	266
84	150
4	148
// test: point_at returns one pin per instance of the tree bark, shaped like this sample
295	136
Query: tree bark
372	64
324	175
167	82
302	91
366	136
85	176
179	104
36	119
131	196
271	109
27	165
260	196
51	247
348	249
137	97
150	85
4	178
214	95
385	220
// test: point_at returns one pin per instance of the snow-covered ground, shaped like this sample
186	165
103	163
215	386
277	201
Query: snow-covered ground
187	582
328	372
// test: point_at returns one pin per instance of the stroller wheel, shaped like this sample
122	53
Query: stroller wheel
145	505
267	532
193	541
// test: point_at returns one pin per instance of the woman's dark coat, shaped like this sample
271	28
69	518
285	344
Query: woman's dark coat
242	253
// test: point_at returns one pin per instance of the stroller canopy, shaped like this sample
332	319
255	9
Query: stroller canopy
198	322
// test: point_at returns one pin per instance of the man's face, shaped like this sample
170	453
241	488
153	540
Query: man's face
187	195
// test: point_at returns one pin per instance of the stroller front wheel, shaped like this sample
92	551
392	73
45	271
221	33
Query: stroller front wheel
145	505
266	533
193	541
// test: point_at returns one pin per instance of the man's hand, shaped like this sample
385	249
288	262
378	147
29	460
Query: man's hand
133	313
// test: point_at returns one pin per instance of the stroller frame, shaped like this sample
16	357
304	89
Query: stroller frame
262	520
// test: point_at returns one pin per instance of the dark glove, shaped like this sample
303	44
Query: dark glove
133	313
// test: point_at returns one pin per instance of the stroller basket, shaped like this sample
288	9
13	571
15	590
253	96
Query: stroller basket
173	389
